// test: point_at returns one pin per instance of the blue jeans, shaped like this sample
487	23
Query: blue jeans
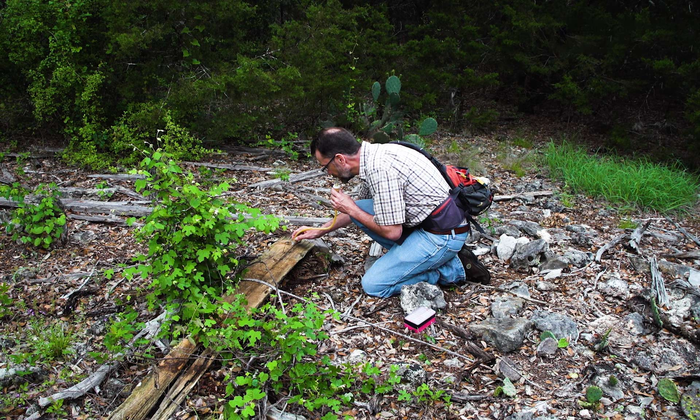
421	257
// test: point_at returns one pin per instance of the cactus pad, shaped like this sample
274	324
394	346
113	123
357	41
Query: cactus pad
381	137
394	99
376	90
393	85
428	127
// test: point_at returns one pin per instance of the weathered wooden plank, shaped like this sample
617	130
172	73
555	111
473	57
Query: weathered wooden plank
270	267
145	396
278	261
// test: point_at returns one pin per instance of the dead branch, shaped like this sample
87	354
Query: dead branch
691	255
76	391
658	289
608	246
685	232
636	236
234	167
119	177
471	346
314	173
525	194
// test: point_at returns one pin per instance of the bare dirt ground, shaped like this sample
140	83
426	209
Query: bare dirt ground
39	282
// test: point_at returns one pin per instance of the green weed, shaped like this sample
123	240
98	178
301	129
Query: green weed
627	224
40	221
50	341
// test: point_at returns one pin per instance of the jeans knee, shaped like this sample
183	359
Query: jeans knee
375	288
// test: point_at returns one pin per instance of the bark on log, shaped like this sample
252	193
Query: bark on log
146	395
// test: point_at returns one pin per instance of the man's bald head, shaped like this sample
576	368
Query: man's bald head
334	140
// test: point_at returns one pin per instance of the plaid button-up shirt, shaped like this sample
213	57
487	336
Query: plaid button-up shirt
406	187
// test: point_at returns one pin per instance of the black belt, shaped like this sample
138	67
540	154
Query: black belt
454	231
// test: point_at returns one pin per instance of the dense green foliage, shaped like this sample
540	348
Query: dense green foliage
632	182
192	234
105	76
39	218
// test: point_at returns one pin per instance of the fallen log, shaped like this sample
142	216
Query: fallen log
234	167
685	232
120	177
314	173
270	267
136	209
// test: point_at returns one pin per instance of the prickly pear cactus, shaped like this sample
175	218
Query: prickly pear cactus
376	90
428	127
393	85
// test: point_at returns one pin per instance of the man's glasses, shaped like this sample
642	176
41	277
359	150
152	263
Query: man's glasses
325	167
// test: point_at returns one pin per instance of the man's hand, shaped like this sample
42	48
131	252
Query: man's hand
343	202
307	232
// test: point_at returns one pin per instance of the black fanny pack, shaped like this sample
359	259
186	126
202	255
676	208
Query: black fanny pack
448	215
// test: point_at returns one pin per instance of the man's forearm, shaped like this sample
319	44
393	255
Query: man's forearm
391	232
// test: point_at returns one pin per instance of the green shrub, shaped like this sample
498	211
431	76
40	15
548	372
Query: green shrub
191	236
6	302
39	220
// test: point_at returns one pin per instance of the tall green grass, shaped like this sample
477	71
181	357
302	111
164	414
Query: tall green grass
634	182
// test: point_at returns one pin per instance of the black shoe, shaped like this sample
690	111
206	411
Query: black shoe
475	271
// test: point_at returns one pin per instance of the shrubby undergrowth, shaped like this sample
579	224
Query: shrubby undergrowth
102	75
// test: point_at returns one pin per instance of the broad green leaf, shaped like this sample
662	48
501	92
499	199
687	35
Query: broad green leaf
508	387
668	390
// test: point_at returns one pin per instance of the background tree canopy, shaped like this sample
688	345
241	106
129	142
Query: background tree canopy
103	75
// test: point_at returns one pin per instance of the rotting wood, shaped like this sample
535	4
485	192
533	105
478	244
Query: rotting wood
235	150
149	390
6	177
658	288
271	267
687	255
110	219
532	194
689	333
136	209
101	192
